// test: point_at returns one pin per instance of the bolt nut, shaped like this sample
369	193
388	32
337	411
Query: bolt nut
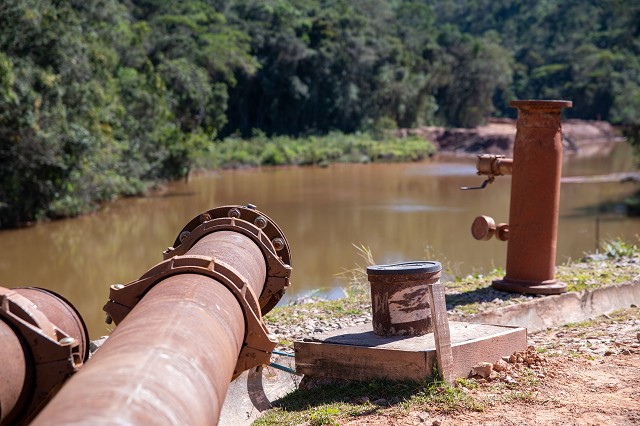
278	243
183	235
260	222
251	206
66	340
117	286
205	217
108	319
235	213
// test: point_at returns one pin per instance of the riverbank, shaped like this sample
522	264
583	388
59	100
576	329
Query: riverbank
563	370
335	147
586	138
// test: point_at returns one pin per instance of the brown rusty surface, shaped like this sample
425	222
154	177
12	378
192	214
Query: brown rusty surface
61	313
494	165
263	231
169	362
237	251
51	355
15	391
400	303
185	329
483	228
535	197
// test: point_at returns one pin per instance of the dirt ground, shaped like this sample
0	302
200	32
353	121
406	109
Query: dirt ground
586	374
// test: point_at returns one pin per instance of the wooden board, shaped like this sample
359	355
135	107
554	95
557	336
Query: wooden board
357	353
441	335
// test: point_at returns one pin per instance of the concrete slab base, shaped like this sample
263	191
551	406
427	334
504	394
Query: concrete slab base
357	353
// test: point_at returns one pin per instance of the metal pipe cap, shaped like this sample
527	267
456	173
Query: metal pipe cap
405	268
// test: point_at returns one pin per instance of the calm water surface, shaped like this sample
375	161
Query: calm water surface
401	211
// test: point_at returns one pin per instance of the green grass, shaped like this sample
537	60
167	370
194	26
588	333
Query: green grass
331	403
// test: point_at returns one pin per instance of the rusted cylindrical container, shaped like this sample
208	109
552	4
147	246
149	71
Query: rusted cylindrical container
535	199
399	297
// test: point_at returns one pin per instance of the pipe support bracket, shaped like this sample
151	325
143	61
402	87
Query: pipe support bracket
55	354
257	344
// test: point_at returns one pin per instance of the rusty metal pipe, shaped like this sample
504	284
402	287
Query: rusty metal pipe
237	251
171	359
494	165
169	362
15	368
535	199
43	340
61	313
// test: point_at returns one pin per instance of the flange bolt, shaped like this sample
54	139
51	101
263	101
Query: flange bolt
278	243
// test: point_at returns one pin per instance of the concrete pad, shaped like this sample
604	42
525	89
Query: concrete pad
357	353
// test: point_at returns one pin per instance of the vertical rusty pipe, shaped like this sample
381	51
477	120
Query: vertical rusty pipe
535	199
170	361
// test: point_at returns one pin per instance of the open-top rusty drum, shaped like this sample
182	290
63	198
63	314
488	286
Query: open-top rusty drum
399	297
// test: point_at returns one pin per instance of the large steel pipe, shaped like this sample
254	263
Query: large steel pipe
43	341
171	358
169	362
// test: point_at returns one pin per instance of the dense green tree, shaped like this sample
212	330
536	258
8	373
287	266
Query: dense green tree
101	98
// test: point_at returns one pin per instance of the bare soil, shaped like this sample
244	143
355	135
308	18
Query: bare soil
585	374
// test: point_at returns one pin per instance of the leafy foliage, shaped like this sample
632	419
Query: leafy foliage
102	98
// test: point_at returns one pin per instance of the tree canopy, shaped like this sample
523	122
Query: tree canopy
99	98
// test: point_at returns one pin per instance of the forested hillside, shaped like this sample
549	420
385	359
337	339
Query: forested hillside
99	98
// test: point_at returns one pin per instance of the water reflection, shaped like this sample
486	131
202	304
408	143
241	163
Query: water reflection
401	211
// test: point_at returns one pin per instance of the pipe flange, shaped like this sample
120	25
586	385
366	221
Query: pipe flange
257	344
55	354
255	225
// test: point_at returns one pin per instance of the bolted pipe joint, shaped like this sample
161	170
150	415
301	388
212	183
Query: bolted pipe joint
43	341
185	329
257	226
257	343
211	243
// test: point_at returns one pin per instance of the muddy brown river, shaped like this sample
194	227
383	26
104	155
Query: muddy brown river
400	211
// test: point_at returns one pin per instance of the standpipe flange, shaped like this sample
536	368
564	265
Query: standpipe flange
54	355
257	345
248	221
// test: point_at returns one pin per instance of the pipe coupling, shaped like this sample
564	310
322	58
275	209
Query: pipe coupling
494	165
257	344
264	232
54	355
